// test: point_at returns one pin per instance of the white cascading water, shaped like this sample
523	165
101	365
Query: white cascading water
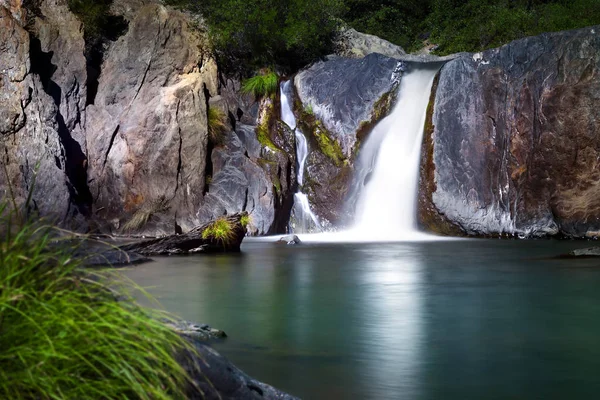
387	206
305	218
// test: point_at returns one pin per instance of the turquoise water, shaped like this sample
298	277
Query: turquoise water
472	319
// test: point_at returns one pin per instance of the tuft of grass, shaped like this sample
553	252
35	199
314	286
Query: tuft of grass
245	220
67	332
221	231
217	125
140	217
263	84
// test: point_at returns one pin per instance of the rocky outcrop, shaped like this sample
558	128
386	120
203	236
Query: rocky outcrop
339	101
146	132
516	138
253	169
353	44
37	108
215	377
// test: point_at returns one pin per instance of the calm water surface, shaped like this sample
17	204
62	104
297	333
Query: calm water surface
472	319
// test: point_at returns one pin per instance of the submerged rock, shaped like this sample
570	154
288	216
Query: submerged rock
516	138
582	253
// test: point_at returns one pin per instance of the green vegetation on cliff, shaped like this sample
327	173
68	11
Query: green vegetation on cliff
250	34
66	333
467	25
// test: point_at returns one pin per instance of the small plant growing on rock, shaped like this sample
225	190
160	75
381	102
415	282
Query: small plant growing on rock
245	220
221	231
217	125
263	84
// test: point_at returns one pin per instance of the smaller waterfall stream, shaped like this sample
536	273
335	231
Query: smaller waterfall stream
305	219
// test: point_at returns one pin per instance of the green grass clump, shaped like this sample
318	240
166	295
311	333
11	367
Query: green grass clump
221	230
245	220
263	84
65	332
217	125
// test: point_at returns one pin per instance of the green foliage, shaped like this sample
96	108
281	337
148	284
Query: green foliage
476	25
220	230
66	333
245	220
249	34
467	25
98	22
217	125
263	84
263	137
397	21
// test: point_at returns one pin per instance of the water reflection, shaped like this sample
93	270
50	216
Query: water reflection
464	319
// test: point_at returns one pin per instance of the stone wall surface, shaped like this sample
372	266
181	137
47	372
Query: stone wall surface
516	137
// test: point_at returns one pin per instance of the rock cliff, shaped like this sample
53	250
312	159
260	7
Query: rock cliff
129	152
516	138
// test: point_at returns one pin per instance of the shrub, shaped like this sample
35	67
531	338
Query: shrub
221	230
66	333
263	84
217	125
248	34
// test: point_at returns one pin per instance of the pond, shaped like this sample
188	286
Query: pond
463	319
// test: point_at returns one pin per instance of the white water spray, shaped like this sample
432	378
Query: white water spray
305	218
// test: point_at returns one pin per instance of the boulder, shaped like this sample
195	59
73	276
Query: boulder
289	240
353	44
589	252
215	377
515	138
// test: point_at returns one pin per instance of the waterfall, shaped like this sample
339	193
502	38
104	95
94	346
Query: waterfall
304	219
390	159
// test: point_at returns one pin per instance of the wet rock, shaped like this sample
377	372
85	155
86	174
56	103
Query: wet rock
217	378
516	137
112	258
342	93
338	103
583	253
196	331
193	241
290	240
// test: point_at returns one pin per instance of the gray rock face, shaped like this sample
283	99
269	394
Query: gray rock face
342	92
354	44
238	182
146	133
32	129
516	137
